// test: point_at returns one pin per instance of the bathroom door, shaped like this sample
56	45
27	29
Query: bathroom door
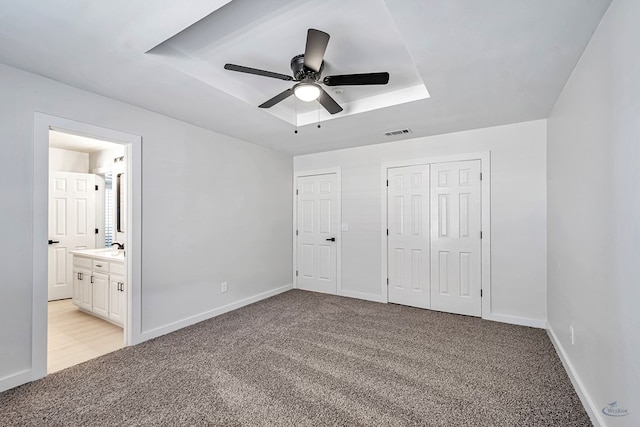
72	217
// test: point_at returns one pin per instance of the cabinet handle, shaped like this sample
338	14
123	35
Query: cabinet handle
99	265
91	279
79	276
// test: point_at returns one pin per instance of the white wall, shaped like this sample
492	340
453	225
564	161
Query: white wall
518	209
68	161
594	216
213	209
104	158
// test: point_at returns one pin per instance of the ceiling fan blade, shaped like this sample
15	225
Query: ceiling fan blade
257	72
357	79
316	46
328	102
279	97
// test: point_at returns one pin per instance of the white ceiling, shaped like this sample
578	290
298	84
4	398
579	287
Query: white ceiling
240	34
484	62
80	143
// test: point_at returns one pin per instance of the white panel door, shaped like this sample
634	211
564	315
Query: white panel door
316	233
72	204
408	230
455	237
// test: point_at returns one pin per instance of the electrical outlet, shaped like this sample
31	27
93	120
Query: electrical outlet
571	334
224	286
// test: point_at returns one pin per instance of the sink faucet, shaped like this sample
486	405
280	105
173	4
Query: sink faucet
120	245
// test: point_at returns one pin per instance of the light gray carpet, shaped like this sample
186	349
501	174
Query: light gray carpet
302	358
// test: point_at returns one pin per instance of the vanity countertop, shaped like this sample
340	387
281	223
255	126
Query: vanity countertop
106	254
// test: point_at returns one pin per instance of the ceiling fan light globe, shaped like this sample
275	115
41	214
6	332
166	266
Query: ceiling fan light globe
307	92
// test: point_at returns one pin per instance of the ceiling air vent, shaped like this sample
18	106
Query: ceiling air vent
398	132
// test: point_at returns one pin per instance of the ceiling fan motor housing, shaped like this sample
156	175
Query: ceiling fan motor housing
300	72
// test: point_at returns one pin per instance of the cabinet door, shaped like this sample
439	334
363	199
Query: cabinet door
100	294
116	299
82	288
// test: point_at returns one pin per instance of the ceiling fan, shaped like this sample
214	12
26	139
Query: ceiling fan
307	69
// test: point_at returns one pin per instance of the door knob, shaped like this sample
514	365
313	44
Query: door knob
331	239
51	242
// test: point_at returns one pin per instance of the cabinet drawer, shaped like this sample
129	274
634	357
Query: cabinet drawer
99	265
82	262
117	268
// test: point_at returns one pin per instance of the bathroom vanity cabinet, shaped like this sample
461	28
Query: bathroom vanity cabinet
99	283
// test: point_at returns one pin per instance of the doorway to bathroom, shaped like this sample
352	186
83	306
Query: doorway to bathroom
86	242
86	252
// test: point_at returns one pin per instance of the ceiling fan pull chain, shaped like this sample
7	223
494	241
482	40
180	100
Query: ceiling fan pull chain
295	111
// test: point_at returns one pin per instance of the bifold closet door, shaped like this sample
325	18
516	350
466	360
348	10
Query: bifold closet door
317	212
408	235
455	237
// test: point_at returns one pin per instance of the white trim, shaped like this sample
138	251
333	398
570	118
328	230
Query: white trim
42	123
515	320
485	188
327	171
587	402
191	320
14	380
364	296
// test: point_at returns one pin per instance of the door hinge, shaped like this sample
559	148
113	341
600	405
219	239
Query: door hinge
387	231
481	234
97	231
480	176
296	232
296	191
387	183
480	293
296	273
387	281
96	187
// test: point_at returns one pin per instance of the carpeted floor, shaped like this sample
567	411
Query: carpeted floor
302	358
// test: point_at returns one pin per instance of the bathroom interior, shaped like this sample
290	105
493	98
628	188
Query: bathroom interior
87	256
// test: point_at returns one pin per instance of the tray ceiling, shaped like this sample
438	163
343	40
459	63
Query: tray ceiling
266	35
484	62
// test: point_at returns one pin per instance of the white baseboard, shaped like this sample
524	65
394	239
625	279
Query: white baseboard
515	320
172	327
14	380
592	410
362	295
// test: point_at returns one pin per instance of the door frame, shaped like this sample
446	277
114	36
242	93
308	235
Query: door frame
42	123
314	172
485	204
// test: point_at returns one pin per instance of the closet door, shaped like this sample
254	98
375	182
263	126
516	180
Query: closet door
317	203
408	235
455	237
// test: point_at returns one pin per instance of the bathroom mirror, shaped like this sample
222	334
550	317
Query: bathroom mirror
120	202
